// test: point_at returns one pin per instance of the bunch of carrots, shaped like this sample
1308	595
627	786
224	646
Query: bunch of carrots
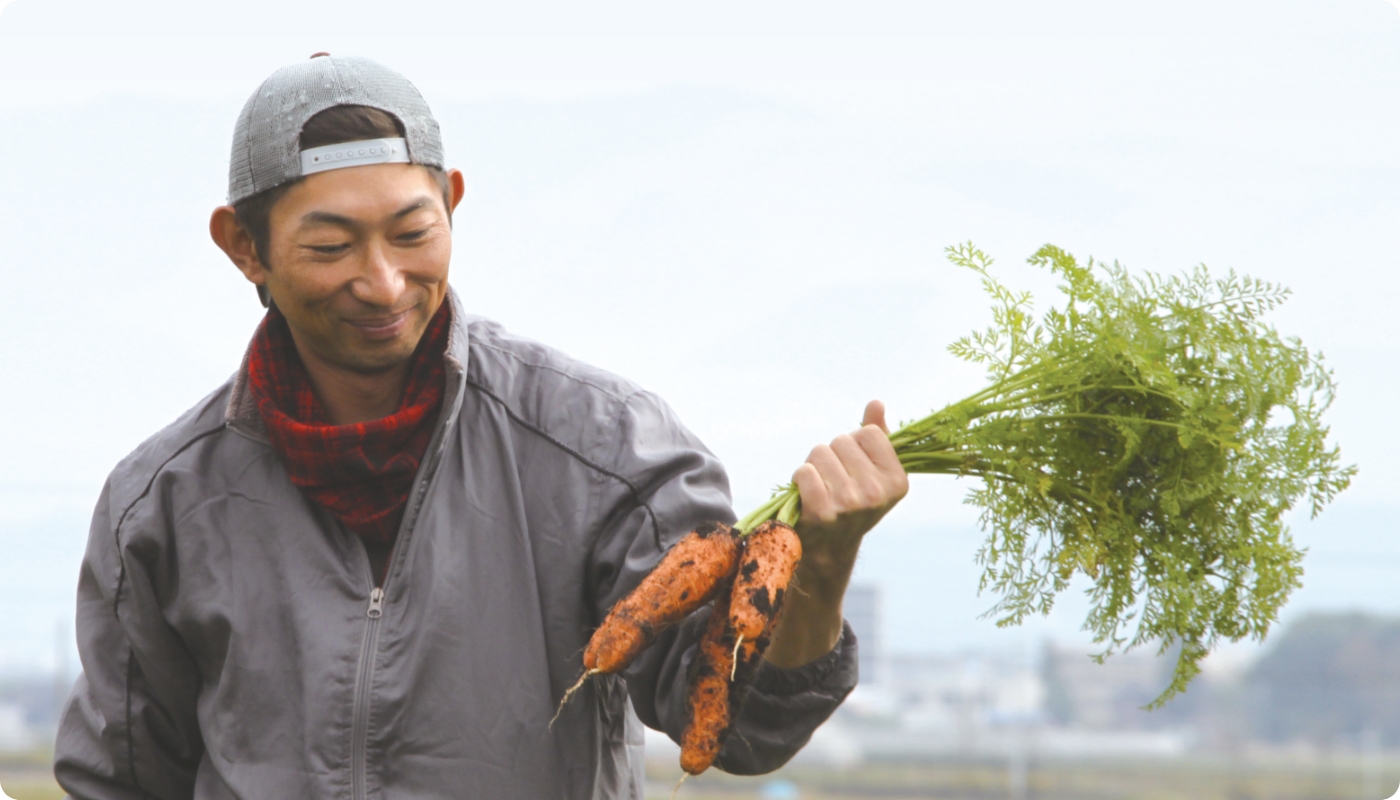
745	576
1147	436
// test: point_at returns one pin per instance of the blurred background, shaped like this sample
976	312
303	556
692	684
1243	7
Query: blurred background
743	206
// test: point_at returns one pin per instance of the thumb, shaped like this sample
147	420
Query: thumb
875	415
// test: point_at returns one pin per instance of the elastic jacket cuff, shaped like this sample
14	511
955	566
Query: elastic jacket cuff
836	667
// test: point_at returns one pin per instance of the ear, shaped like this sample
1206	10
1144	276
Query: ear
237	243
459	187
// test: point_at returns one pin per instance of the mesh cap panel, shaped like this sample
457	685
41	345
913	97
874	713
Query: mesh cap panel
267	137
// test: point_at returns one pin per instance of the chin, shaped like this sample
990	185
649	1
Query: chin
371	362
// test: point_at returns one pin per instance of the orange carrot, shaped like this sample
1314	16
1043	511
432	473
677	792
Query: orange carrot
727	661
690	575
695	570
771	554
707	699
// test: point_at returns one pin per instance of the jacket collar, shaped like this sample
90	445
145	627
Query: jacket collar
242	415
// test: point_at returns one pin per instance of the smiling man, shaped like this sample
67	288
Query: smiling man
367	566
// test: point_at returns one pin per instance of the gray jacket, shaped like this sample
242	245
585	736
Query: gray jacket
233	647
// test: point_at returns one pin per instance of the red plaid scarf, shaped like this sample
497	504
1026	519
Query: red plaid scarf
360	473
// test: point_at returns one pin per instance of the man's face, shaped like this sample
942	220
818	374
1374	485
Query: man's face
358	263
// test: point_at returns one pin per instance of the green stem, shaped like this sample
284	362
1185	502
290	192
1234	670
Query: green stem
769	510
923	445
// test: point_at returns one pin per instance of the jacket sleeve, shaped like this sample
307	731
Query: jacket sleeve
667	483
129	729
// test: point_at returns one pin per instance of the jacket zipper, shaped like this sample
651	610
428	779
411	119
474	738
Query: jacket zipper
364	675
359	730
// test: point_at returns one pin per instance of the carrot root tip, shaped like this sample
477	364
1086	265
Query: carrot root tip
581	679
677	788
734	658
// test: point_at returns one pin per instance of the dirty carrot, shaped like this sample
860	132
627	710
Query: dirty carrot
727	661
770	558
691	573
707	695
689	576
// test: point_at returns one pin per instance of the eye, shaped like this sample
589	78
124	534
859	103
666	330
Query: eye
413	236
328	249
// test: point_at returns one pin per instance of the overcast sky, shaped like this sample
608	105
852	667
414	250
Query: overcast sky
742	208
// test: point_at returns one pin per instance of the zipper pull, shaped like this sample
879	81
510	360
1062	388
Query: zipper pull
376	603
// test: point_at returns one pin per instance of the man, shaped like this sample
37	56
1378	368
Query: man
368	564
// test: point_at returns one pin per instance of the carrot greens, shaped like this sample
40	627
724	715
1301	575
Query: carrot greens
1150	433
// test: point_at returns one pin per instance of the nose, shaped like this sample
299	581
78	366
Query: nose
380	282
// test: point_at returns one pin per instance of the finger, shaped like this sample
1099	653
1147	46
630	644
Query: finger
863	485
875	415
816	500
839	486
877	446
854	460
828	465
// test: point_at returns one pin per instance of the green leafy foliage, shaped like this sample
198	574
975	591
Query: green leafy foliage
1150	433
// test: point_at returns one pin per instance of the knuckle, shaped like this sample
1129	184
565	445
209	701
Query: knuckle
872	492
852	497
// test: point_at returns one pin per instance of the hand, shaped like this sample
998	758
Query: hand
846	487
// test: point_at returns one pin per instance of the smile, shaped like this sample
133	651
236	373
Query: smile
381	327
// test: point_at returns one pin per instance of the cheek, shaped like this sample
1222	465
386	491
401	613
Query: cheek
311	283
307	291
428	264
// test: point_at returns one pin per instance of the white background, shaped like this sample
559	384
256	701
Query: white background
741	206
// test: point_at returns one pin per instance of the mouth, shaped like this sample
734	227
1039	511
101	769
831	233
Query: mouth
380	328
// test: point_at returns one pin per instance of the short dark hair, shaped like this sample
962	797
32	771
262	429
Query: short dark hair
333	126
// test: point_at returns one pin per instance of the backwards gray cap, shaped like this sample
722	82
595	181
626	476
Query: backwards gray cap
267	138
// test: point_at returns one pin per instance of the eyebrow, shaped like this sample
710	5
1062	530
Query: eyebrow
342	221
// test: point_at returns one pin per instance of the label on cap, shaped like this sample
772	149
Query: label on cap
354	154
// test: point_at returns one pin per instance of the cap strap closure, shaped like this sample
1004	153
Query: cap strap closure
354	154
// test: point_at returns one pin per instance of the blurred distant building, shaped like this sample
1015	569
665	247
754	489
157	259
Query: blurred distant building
862	610
995	704
1329	680
28	711
14	734
1083	693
